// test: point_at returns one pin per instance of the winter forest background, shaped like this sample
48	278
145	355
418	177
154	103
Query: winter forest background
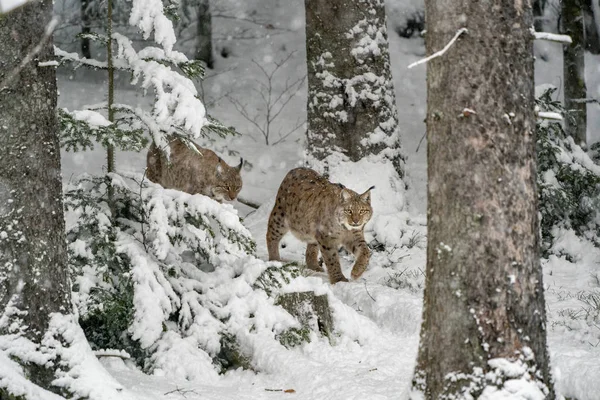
173	291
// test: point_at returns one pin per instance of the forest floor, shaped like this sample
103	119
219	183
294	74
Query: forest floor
381	313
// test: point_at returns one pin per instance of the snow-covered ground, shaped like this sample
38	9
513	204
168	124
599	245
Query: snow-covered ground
378	317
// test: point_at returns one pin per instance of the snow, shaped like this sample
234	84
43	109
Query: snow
553	37
91	117
8	5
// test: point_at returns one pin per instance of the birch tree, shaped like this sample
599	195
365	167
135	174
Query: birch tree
351	101
483	330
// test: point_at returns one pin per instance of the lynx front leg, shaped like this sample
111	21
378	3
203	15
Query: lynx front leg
276	229
329	250
312	257
361	251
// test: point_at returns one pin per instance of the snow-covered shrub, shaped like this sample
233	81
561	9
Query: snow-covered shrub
158	271
169	277
568	181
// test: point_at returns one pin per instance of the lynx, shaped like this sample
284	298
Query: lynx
326	216
205	173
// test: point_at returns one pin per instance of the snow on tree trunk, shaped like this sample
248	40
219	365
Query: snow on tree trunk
313	312
574	70
351	102
204	32
33	254
483	330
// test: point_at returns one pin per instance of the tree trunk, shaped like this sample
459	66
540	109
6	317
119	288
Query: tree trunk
574	71
204	41
484	298
351	100
312	311
85	29
33	256
538	14
591	18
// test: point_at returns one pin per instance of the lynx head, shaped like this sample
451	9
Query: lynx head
355	209
228	182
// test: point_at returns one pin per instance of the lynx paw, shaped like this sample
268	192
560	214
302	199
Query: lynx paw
338	279
356	275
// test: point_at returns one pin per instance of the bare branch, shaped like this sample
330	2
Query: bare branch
441	52
291	131
244	113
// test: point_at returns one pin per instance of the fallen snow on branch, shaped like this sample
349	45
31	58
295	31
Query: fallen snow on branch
441	52
549	115
91	117
551	37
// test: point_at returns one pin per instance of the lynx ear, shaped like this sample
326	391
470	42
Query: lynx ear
219	168
346	195
239	167
366	196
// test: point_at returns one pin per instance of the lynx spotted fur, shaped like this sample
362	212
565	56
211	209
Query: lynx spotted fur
194	172
325	216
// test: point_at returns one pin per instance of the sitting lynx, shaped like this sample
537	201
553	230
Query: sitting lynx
324	215
204	173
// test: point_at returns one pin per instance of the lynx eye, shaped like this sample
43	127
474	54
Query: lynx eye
347	212
363	211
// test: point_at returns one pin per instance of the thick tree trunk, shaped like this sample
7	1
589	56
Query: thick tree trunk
591	18
574	70
538	14
204	39
85	29
351	101
33	257
484	297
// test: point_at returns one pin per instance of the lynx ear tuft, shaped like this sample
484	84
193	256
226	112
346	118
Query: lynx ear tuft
239	167
366	196
346	195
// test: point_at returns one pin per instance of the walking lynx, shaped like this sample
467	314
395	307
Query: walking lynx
325	216
194	172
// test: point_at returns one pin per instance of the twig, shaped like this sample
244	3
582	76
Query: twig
294	129
248	203
47	35
182	392
274	103
367	290
586	101
441	52
420	141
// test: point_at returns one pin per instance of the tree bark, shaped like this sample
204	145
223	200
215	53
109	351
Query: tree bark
351	100
312	311
33	254
573	24
85	29
538	14
204	39
484	297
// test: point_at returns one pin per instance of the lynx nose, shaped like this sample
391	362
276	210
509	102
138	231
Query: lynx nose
231	195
